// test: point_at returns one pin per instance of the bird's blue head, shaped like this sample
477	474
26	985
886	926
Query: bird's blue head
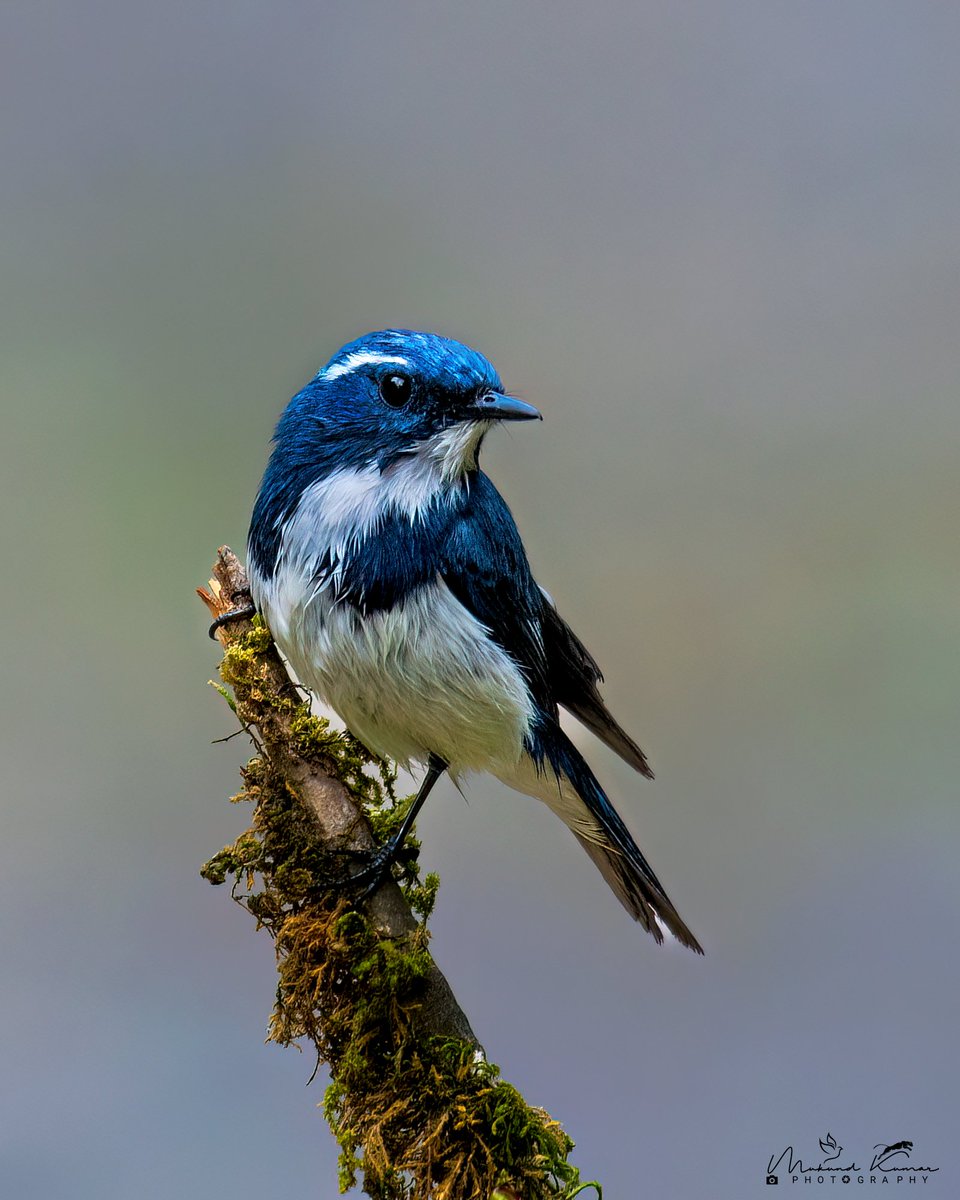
379	401
385	394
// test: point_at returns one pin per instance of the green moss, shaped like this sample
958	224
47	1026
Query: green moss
418	1117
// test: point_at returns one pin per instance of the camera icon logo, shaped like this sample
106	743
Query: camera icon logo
772	1179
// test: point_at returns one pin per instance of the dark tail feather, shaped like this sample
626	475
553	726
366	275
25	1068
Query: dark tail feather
601	722
616	854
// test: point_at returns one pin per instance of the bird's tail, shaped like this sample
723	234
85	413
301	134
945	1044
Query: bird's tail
566	784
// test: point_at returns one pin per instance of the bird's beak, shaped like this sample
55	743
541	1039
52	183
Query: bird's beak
496	407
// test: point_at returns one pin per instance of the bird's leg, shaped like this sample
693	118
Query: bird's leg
377	869
234	614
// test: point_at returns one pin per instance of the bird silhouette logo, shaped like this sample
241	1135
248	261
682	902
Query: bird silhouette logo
830	1147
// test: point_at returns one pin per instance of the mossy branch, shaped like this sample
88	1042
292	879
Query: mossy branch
413	1102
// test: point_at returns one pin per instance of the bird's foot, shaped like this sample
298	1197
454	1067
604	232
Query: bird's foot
395	850
377	865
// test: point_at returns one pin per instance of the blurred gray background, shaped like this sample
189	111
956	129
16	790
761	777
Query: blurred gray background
718	246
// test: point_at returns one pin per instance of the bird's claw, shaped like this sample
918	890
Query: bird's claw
378	864
235	614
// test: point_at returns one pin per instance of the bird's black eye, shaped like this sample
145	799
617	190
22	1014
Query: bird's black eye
395	390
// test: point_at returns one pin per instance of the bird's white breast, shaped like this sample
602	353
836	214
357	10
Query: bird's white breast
421	677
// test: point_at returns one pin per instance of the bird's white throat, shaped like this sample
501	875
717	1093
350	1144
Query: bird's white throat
342	508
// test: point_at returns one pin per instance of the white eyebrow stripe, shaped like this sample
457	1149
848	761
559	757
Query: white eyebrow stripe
359	358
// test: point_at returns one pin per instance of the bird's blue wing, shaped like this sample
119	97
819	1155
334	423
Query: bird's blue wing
483	563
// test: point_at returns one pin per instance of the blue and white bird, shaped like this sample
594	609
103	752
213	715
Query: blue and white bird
393	578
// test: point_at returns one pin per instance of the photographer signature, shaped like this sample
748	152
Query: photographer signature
891	1158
